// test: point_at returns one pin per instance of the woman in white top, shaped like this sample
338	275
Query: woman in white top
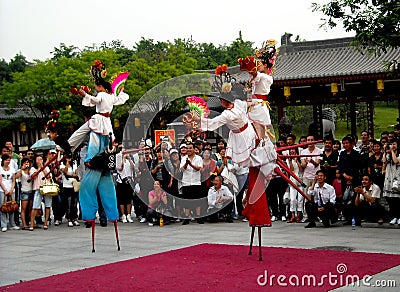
69	198
7	193
125	173
26	195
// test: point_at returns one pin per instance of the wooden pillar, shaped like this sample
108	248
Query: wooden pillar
353	117
370	117
317	117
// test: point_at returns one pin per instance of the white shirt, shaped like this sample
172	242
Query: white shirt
373	191
7	178
68	182
214	195
262	84
128	169
190	176
311	169
326	193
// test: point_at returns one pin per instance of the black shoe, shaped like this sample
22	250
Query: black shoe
186	222
88	224
310	225
229	220
200	221
103	224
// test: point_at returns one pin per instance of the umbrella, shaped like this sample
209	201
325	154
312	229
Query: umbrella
43	144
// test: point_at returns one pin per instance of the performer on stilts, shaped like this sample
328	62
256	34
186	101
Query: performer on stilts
97	177
241	146
261	70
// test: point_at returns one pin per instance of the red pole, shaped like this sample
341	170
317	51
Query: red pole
279	149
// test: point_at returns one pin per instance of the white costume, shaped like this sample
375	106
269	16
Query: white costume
242	136
259	113
100	124
241	145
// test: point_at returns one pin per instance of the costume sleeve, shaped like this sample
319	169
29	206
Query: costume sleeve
121	98
90	100
214	123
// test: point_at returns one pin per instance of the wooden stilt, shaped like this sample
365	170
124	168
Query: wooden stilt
251	239
93	226
259	244
116	234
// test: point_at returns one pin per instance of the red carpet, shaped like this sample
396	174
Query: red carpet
219	267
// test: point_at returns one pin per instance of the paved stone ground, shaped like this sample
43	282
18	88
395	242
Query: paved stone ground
26	255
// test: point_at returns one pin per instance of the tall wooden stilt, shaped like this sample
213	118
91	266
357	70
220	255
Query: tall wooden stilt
93	226
259	244
116	234
251	239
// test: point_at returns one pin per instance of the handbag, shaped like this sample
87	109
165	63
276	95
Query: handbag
9	206
77	185
49	189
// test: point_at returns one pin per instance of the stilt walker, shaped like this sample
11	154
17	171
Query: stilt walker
243	147
97	176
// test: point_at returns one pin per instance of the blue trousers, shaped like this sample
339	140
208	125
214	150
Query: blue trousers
100	181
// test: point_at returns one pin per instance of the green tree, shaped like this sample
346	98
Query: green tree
376	23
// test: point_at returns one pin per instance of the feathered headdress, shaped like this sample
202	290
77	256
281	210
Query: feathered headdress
267	54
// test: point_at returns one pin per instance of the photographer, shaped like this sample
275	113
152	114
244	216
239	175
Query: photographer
125	170
159	171
324	206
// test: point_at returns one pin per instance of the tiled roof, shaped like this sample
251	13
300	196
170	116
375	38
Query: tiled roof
327	59
7	113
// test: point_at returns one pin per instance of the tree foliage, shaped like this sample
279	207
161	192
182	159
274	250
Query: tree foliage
44	85
376	23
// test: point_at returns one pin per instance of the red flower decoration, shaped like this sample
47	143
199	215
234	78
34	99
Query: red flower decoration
98	64
74	91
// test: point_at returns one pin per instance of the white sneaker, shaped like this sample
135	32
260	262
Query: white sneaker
143	220
283	218
4	229
273	218
123	218
151	224
76	223
393	222
129	218
58	222
70	224
15	228
398	221
245	220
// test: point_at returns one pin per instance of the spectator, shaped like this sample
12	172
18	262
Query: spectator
325	198
39	175
375	164
7	191
392	174
296	199
146	182
337	185
125	175
69	198
349	163
26	191
191	182
158	170
310	164
329	160
367	202
337	146
173	167
220	201
157	204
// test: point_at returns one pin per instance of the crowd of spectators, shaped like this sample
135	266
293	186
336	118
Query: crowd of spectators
347	180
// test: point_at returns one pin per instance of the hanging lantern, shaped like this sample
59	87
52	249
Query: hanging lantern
116	123
137	122
380	85
334	88
22	127
286	91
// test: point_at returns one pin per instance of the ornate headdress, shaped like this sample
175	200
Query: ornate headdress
226	85
249	64
52	124
267	54
99	73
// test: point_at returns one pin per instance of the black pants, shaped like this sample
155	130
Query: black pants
275	191
328	214
370	212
